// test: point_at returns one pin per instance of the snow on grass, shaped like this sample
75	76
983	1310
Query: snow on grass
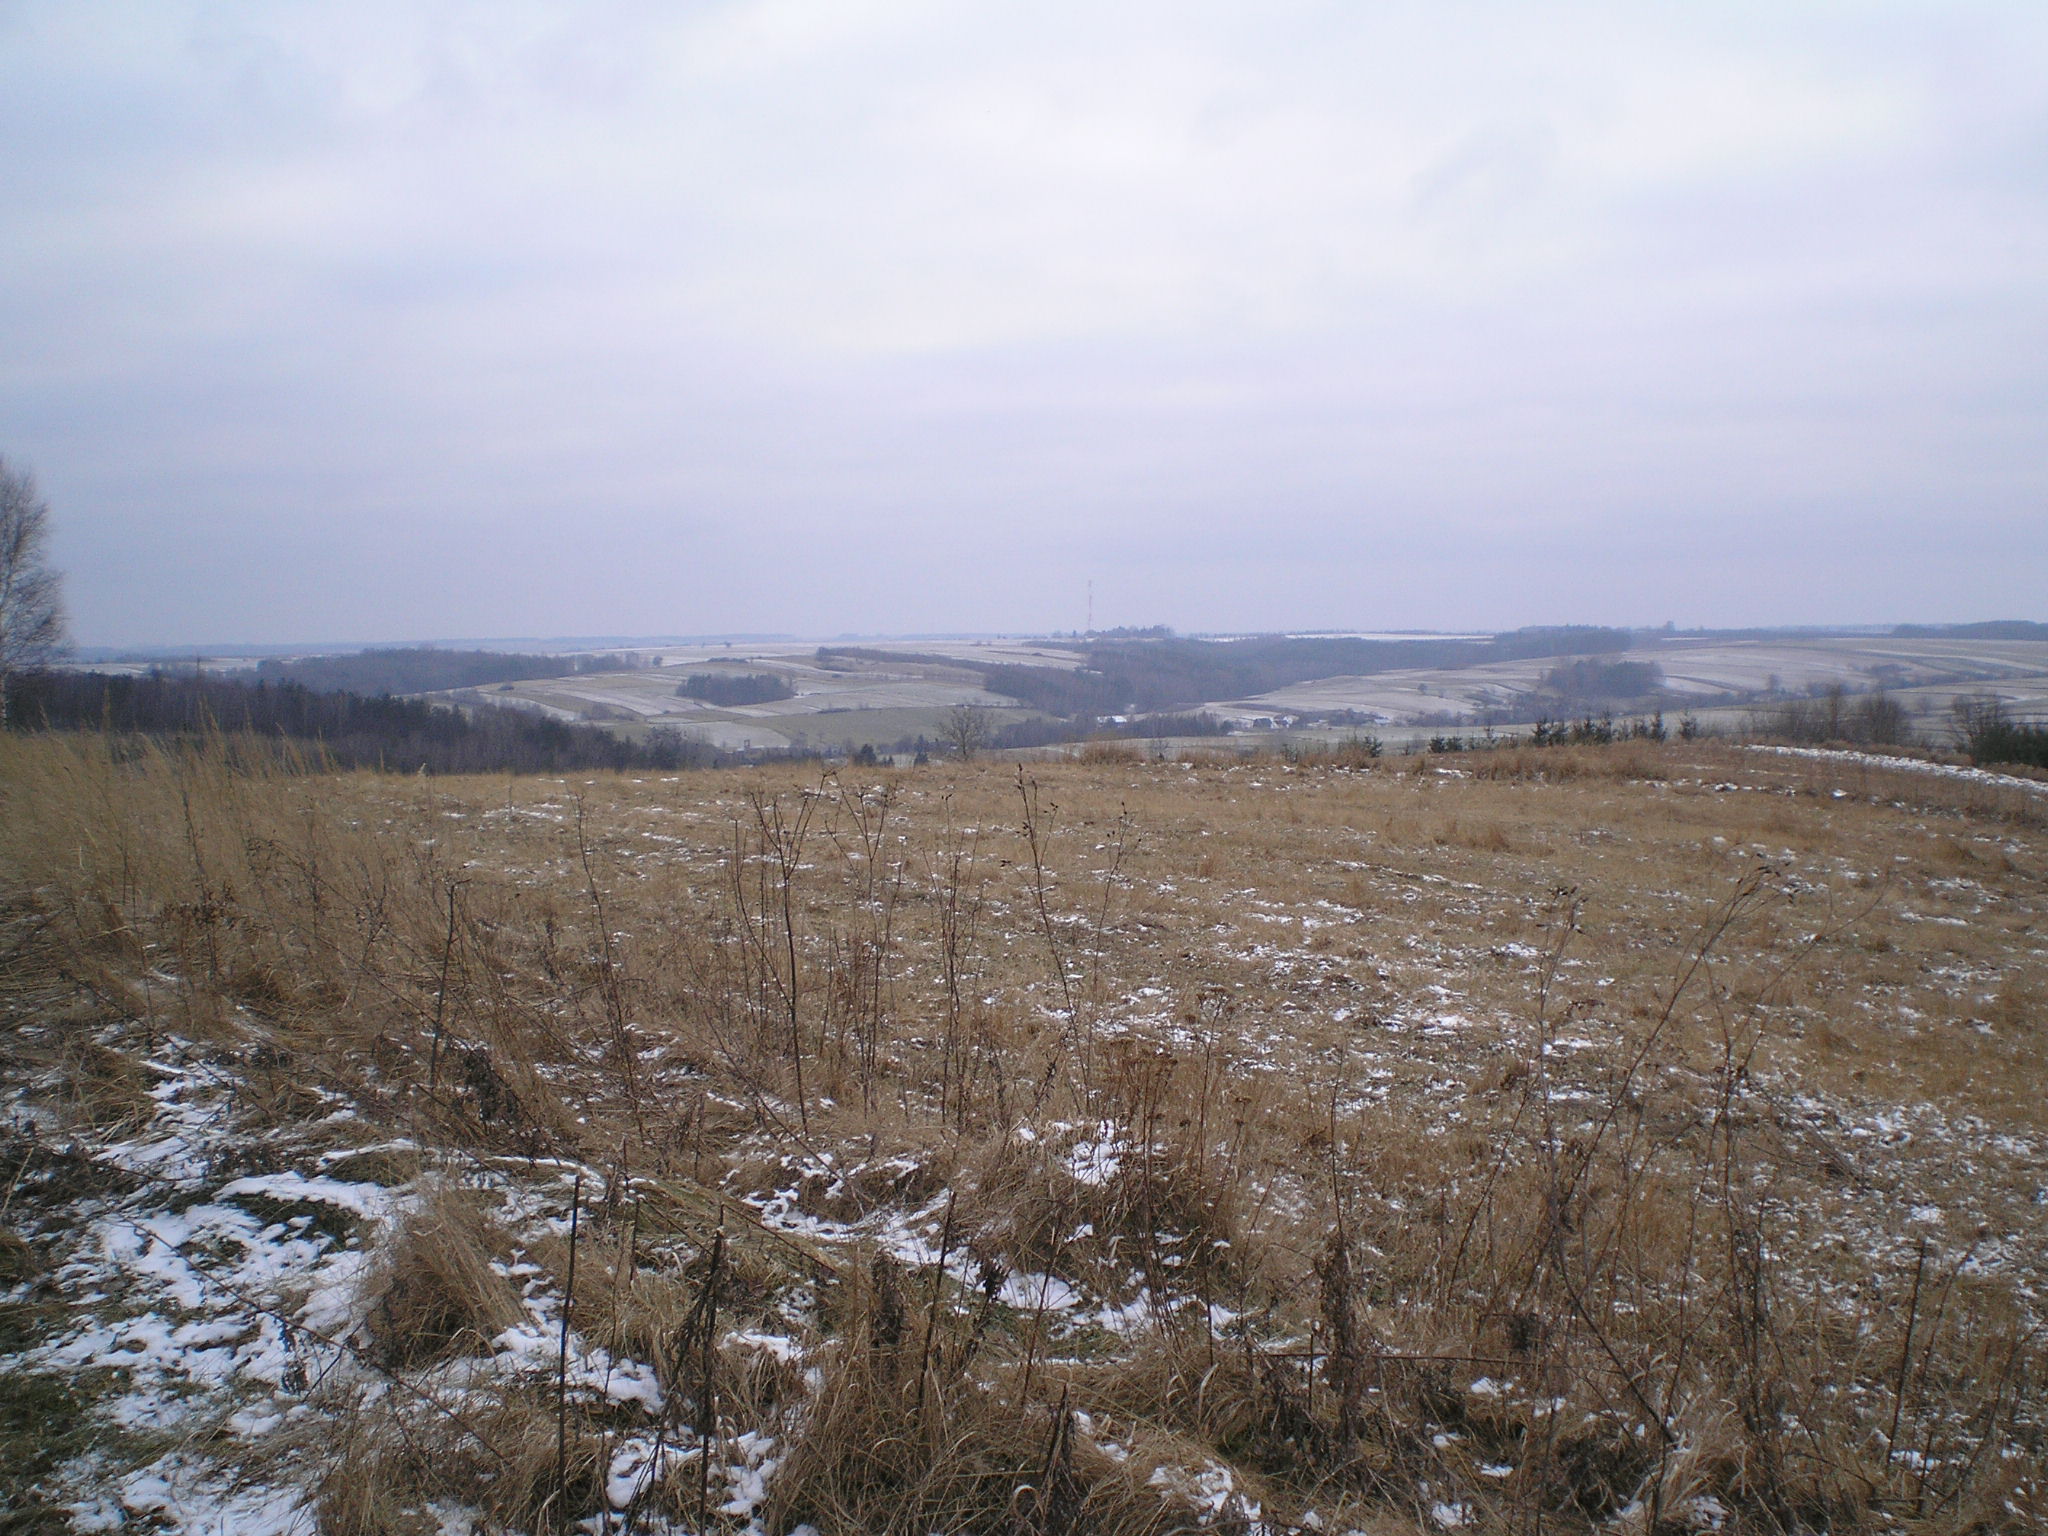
189	1493
1097	1160
220	1313
1906	765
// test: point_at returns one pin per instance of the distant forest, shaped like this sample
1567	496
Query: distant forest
428	669
1151	675
731	688
1589	680
345	730
1994	629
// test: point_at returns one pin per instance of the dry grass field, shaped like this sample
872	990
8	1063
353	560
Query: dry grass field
1640	1139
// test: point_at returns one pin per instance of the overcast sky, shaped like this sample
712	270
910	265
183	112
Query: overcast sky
413	319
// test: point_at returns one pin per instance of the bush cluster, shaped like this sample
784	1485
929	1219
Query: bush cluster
1834	714
1990	734
1591	731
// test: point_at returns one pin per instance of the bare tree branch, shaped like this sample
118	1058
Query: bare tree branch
965	730
32	628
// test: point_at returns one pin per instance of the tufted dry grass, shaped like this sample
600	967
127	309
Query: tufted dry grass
1565	1136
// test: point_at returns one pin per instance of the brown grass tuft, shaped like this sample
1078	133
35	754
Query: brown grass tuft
439	1294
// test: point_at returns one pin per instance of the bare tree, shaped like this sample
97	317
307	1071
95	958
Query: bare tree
31	594
965	730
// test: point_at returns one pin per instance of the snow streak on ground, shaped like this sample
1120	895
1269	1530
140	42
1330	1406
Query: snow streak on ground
1911	765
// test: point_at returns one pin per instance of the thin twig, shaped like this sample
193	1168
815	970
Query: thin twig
562	1369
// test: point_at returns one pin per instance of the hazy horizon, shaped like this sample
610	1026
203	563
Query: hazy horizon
787	316
546	644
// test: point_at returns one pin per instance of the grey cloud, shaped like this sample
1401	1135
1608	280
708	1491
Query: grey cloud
816	316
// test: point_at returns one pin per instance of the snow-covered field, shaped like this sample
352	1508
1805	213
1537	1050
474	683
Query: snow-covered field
649	696
1924	674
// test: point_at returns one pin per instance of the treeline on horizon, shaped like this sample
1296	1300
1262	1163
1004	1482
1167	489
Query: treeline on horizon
1993	629
428	669
340	730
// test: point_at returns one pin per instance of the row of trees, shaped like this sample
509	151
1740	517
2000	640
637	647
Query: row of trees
1834	714
343	730
428	669
969	729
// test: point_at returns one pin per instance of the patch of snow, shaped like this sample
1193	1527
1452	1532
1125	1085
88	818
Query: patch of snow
1033	1293
1096	1162
180	1493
